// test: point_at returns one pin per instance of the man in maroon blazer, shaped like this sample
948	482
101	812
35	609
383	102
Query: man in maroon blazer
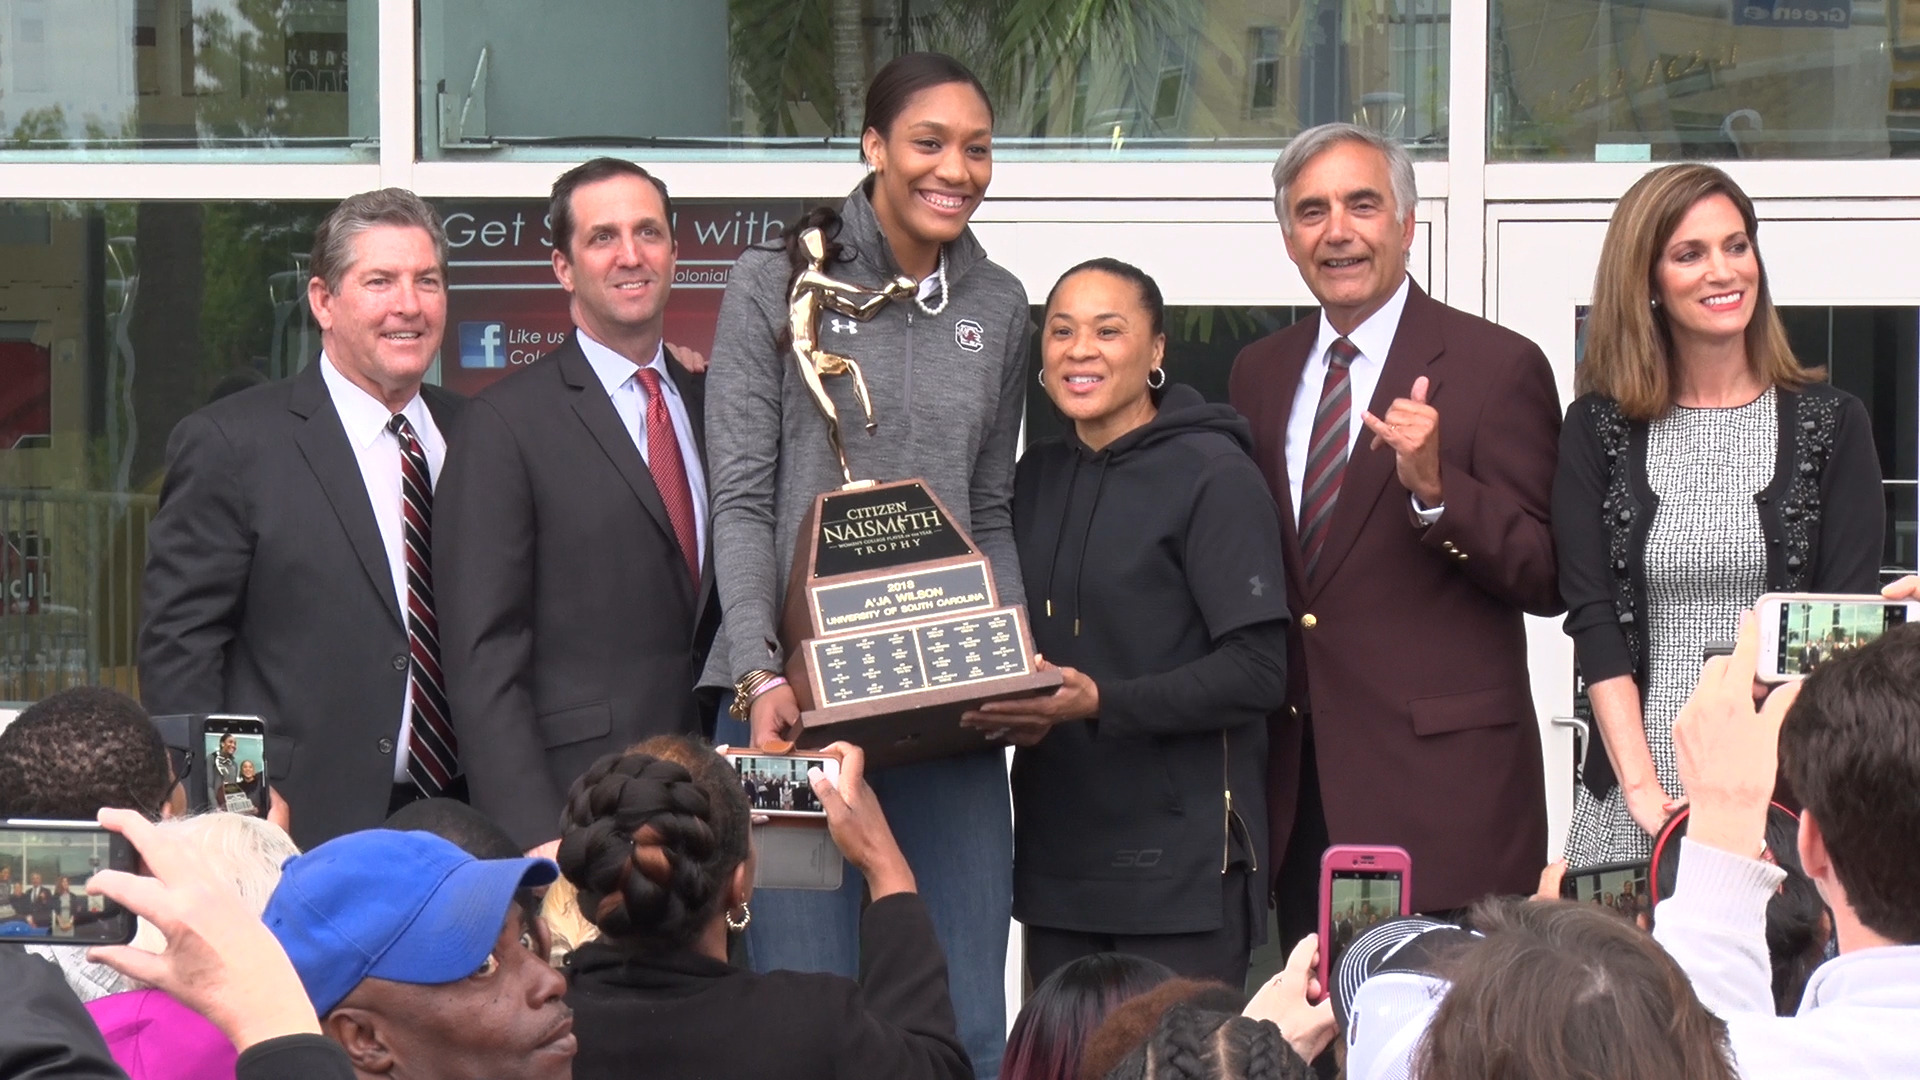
1413	446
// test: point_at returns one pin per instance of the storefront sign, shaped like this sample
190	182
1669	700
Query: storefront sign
505	309
1798	14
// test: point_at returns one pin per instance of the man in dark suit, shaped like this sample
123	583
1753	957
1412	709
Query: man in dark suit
576	593
287	571
1413	446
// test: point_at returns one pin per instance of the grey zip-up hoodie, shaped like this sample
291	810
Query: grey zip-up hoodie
947	391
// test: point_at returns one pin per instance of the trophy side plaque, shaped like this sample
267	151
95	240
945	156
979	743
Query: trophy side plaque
893	627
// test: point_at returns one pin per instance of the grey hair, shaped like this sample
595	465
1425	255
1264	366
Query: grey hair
242	850
1315	141
333	252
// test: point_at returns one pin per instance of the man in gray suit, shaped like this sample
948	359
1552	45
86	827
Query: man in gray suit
287	572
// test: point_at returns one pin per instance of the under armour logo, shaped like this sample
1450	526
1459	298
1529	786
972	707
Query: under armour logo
1259	587
844	326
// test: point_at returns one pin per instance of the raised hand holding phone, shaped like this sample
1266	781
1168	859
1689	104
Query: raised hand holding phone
220	961
1728	749
859	829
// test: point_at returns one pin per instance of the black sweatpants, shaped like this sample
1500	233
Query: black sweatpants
1211	954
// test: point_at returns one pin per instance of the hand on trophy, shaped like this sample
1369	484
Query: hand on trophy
774	717
1025	721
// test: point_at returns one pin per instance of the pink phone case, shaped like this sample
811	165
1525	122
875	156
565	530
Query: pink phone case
1363	857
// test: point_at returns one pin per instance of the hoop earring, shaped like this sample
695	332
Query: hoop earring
1042	375
1160	371
746	917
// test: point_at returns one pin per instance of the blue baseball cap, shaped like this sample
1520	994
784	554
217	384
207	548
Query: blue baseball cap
408	907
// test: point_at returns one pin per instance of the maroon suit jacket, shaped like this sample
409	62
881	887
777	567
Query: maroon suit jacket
1409	647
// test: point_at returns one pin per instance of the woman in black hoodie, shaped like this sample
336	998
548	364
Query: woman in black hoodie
1151	552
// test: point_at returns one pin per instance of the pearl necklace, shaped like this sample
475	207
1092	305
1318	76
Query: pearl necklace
942	272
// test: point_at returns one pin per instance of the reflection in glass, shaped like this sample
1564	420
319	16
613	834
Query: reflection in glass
118	319
1666	80
1126	78
187	78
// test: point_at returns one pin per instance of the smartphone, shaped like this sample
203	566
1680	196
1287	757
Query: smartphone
1798	631
44	870
1361	886
1620	886
232	760
777	785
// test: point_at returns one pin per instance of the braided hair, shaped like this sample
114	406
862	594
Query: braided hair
651	838
1201	1044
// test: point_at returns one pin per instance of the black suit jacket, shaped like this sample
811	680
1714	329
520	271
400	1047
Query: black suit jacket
568	624
267	591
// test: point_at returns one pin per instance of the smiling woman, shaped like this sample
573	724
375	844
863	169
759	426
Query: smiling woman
1152	549
1689	474
944	370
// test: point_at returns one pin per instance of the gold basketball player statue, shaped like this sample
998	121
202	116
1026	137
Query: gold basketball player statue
812	290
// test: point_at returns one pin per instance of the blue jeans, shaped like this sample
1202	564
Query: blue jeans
953	819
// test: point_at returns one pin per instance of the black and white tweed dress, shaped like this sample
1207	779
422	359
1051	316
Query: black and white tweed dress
1706	562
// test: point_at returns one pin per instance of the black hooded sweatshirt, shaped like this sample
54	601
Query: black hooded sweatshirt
1153	566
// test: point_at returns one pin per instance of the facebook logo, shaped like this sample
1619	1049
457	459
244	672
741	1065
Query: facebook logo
483	345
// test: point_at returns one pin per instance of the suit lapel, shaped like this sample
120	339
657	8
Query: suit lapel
1282	387
323	442
595	409
1416	344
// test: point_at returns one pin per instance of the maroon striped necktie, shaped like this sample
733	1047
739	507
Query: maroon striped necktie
670	470
432	752
1326	452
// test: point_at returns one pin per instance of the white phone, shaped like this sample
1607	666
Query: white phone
1799	631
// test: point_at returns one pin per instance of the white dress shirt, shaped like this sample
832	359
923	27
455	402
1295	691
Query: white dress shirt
621	378
1374	339
377	449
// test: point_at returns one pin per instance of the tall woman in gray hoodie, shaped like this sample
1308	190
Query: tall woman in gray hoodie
946	373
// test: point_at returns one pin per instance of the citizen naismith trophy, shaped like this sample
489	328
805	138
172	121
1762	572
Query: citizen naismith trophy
892	627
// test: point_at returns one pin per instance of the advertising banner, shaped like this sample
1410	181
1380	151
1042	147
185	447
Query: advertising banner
505	309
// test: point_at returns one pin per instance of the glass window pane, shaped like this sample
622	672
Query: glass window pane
116	320
188	79
1666	80
1136	79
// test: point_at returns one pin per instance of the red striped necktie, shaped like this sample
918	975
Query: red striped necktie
432	751
1326	452
669	470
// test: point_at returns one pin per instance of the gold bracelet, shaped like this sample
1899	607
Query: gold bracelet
748	687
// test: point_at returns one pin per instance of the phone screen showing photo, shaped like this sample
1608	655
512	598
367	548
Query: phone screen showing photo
1812	631
1623	889
777	784
43	886
1358	901
236	772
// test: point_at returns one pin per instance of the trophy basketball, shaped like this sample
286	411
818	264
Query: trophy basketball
892	624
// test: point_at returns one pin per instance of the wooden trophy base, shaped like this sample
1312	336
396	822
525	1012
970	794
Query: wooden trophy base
893	627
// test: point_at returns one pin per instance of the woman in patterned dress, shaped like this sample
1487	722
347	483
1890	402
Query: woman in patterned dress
1700	467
